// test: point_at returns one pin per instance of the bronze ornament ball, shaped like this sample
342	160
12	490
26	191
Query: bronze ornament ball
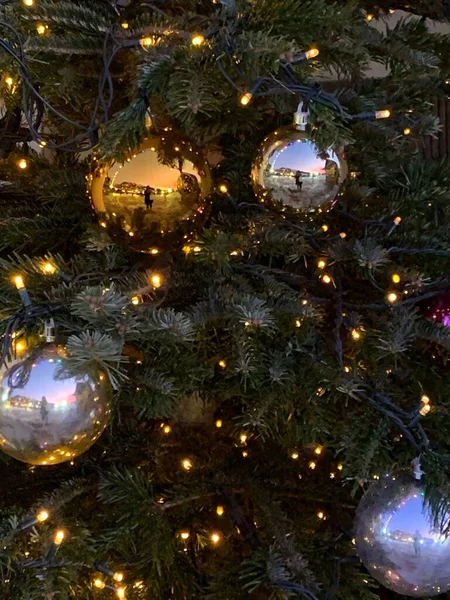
143	201
290	169
398	541
48	415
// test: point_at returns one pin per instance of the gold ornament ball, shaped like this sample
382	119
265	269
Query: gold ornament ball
48	415
291	169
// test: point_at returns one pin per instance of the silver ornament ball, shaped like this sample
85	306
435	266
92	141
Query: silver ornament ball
292	170
398	541
48	415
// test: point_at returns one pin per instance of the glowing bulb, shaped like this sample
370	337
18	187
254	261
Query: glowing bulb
332	475
118	577
397	220
102	224
295	455
326	279
197	40
356	334
347	369
42	516
222	364
19	283
99	584
131	233
298	323
322	264
49	269
184	535
20	346
135	300
340	467
318	450
167	428
146	42
59	537
369	16
343	235
120	593
321	515
154	251
246	98
22	163
41	29
243	438
28	2
42	143
406	131
187	464
312	53
156	281
220	510
244	453
382	114
396	278
9	81
223	188
425	409
177	148
124	25
325	227
425	399
392	297
219	423
215	538
312	465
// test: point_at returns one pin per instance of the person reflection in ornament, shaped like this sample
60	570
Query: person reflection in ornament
148	197
299	180
417	543
44	410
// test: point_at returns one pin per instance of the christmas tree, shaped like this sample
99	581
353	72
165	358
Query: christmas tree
223	285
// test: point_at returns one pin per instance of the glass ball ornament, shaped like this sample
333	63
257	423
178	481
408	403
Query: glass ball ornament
160	188
48	415
290	169
398	541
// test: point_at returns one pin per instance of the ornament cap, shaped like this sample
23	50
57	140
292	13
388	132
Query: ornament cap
301	117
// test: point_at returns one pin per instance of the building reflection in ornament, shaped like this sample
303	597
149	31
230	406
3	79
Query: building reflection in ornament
48	415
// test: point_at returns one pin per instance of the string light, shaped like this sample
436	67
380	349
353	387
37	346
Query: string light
22	163
184	535
397	220
332	475
246	98
392	297
98	583
425	399
215	538
295	455
156	281
369	16
20	346
28	2
322	264
243	438
312	53
326	279
244	453
187	464
325	227
197	40
146	42
343	235
124	25
223	188
59	537
135	300
118	576
425	409
318	450
9	81
356	335
41	29
347	369
220	511
321	516
49	269
340	467
406	131
396	278
298	323
19	283
383	114
154	251
167	428
312	465
121	592
222	364
219	423
42	516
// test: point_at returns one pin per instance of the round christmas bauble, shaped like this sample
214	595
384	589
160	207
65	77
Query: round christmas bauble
398	541
160	188
291	168
48	415
438	309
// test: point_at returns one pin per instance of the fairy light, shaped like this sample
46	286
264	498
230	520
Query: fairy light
356	335
184	535
20	346
154	251
347	369
186	464
322	264
146	42
219	423
425	409
321	515
406	131
215	538
245	99
19	283
22	164
222	364
28	2
332	475
244	453
49	269
167	429
118	576
369	16
326	279
124	25
397	220
298	323
396	278
223	188
197	40
135	300
312	465
156	281
59	537
425	399
382	114
392	297
120	592
9	81
102	224
243	438
99	584
324	227
42	516
343	235
340	467
295	455
220	511
311	53
318	450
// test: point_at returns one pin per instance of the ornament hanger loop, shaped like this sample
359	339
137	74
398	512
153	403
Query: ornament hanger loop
301	117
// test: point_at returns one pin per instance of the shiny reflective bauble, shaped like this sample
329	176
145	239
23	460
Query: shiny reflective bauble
398	541
144	200
292	170
48	416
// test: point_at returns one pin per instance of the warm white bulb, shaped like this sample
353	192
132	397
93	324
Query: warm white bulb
42	516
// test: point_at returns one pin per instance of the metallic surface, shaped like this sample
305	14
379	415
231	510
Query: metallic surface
288	151
48	416
399	542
